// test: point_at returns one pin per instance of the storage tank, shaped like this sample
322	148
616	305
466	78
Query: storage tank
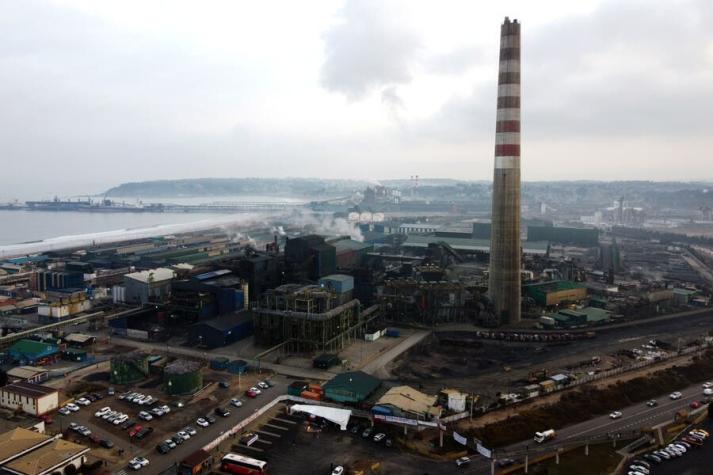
129	368
182	377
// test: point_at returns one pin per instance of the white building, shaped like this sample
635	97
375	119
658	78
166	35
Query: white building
30	398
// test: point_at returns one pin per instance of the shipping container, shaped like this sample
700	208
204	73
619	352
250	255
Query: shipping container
311	395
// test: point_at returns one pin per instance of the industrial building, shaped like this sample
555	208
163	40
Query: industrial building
129	368
504	277
147	286
584	237
405	401
182	377
30	398
26	452
52	280
353	387
427	302
221	331
33	352
309	257
309	318
350	253
209	295
27	374
555	292
61	304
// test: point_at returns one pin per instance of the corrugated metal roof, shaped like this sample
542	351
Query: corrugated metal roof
409	399
483	245
157	275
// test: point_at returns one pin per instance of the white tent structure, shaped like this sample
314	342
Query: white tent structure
336	415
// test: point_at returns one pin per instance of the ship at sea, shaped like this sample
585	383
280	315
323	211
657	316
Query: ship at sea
100	206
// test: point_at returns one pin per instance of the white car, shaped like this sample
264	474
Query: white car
121	419
165	409
262	385
145	416
109	414
707	385
190	430
72	407
640	468
171	444
675	395
338	470
184	435
462	461
615	415
255	390
143	461
64	411
102	411
708	392
82	401
236	402
202	422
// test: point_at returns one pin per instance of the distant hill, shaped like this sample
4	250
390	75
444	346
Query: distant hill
198	187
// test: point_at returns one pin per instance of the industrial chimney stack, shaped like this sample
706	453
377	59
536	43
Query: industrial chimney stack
504	283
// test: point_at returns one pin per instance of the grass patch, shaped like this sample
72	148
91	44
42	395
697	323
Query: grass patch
602	460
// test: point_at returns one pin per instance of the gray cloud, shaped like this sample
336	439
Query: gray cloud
639	68
369	48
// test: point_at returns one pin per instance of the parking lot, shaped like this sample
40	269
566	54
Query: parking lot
135	436
296	444
696	461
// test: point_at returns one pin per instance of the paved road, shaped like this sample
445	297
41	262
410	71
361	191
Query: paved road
380	361
634	417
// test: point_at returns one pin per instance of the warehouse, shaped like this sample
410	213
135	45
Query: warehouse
221	331
350	253
405	401
31	352
28	374
30	398
555	292
352	387
79	340
25	452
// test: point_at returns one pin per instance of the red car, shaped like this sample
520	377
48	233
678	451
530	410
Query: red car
47	418
695	405
135	430
251	394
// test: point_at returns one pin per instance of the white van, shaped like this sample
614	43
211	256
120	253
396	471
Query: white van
541	437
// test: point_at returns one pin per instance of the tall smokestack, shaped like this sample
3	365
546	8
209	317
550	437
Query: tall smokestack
504	284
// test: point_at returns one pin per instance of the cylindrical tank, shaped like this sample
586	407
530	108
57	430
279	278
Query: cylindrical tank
130	368
182	377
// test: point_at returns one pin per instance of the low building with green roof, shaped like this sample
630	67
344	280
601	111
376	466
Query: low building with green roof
351	387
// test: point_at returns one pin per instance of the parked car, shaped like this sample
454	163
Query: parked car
82	401
262	385
177	439
102	411
72	407
615	415
462	461
134	430
255	390
250	393
163	448
171	444
110	391
221	411
190	430
64	411
202	422
224	384
143	461
236	402
183	435
652	403
106	443
367	432
389	442
506	462
338	470
210	419
695	405
144	432
379	437
145	416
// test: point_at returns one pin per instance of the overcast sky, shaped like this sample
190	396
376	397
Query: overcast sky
95	93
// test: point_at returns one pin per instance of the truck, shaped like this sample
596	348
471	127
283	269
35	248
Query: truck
541	437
